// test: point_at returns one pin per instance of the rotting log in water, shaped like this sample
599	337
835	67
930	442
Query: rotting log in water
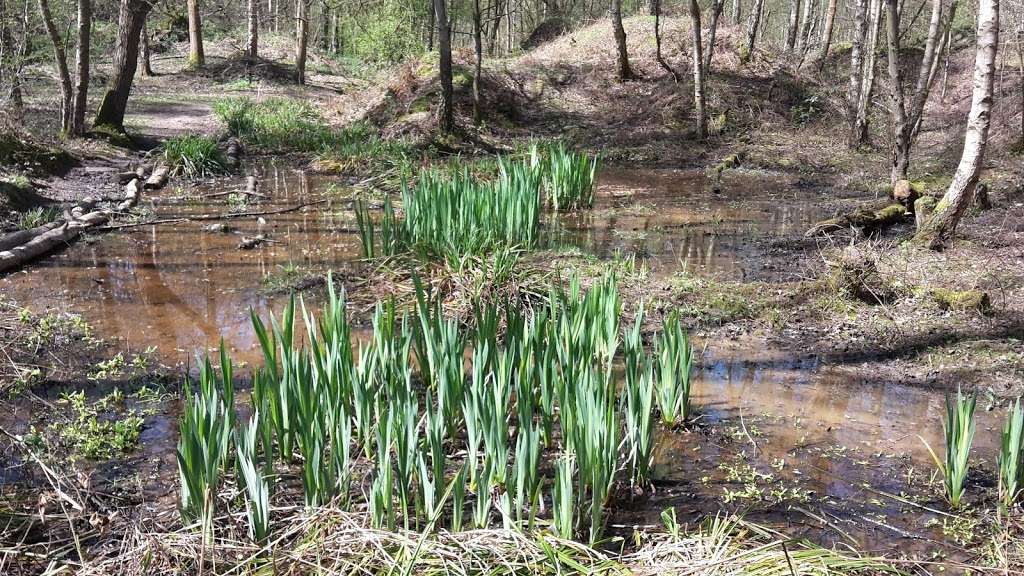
207	217
865	219
158	178
48	237
49	240
21	236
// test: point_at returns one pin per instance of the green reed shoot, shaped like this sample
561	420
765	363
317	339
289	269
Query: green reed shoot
382	489
673	372
563	500
525	481
205	434
959	435
571	177
1011	456
638	400
256	488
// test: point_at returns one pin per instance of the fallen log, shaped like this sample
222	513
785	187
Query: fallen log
51	236
158	178
864	219
207	217
21	236
131	196
233	153
49	240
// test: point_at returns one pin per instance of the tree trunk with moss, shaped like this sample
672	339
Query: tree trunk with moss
196	55
131	18
82	66
61	60
625	72
941	227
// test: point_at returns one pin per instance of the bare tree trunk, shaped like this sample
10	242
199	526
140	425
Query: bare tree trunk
301	40
82	66
752	27
657	41
898	107
709	52
924	75
698	72
906	120
933	69
131	18
1020	62
941	227
860	29
196	56
826	34
791	24
252	43
737	10
868	82
625	72
61	61
144	52
325	26
478	47
806	23
431	26
444	48
492	35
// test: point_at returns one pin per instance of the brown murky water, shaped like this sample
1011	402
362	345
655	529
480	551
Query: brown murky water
790	442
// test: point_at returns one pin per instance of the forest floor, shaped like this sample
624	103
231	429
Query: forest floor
779	122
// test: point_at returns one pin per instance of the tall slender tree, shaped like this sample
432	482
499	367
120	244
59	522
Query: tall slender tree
905	117
82	66
196	55
709	49
144	52
252	42
698	72
625	72
478	52
753	25
301	39
444	50
131	17
61	60
792	23
939	230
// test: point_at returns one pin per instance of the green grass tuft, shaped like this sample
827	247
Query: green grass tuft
194	156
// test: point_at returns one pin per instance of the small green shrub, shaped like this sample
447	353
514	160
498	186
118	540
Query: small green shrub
194	156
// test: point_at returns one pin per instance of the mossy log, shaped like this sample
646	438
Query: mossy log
962	300
865	219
